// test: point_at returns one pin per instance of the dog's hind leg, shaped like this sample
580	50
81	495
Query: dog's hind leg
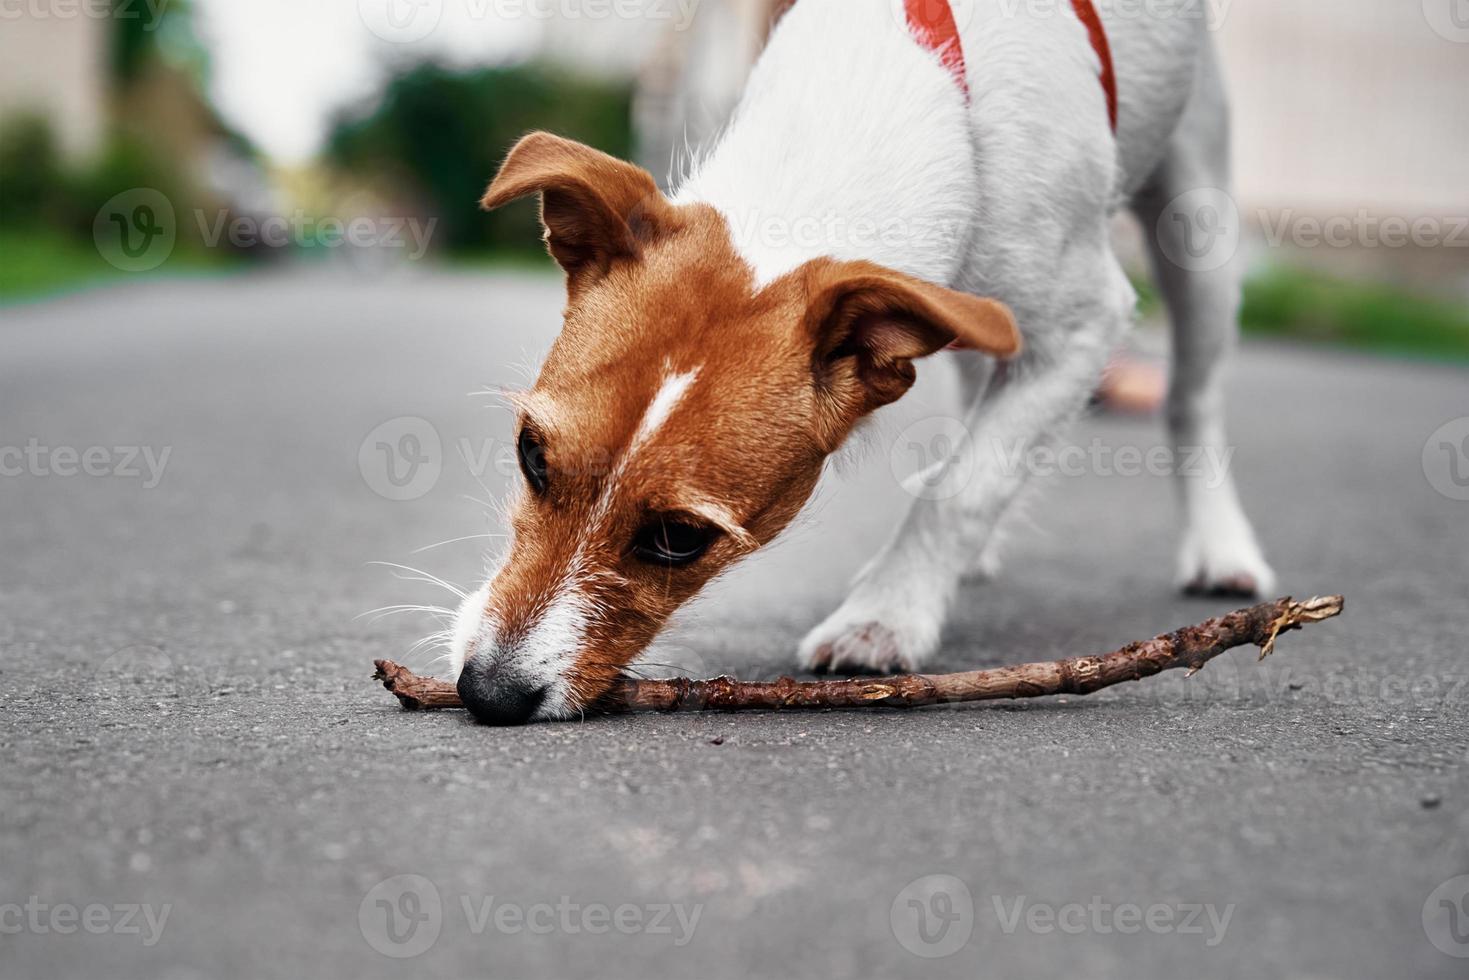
1185	210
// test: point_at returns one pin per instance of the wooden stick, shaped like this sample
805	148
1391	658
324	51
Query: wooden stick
1191	647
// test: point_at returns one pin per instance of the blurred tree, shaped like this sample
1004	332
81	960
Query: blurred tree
439	133
141	37
162	133
39	189
30	171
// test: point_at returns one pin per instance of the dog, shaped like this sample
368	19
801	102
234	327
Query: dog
901	177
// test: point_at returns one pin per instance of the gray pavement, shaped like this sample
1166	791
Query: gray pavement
188	728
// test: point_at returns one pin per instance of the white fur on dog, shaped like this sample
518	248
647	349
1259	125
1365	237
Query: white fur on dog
853	141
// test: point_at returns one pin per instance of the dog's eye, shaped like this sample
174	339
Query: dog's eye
672	543
532	461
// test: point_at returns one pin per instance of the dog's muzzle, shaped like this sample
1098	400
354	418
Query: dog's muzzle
495	696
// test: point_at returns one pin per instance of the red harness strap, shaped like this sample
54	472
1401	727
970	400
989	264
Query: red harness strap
1087	11
932	24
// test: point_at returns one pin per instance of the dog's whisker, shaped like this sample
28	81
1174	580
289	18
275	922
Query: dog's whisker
428	641
487	504
466	537
419	575
384	611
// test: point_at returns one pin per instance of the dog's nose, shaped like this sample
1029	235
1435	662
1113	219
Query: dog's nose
495	697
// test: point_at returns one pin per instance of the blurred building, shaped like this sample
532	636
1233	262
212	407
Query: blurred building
692	78
1352	112
121	91
56	68
616	46
1341	104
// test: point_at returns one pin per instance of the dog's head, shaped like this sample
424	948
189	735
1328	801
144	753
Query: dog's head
679	423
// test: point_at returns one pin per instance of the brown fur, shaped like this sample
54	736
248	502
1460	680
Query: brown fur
784	373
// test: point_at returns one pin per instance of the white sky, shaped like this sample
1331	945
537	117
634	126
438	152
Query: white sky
281	67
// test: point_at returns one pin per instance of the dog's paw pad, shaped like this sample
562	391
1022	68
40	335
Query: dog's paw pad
1241	585
869	648
1225	566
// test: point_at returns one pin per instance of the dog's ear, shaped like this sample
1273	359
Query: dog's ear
596	209
866	323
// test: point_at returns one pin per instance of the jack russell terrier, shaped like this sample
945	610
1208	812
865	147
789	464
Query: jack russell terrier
897	180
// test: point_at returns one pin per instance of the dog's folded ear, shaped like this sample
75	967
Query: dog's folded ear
596	209
867	323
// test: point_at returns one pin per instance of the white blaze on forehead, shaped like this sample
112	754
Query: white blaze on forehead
665	400
670	393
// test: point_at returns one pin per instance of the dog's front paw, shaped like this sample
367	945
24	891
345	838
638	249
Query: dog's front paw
857	639
868	648
1229	567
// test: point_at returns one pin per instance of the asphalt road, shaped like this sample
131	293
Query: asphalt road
188	727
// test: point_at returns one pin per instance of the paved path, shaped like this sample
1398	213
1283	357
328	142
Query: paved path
187	722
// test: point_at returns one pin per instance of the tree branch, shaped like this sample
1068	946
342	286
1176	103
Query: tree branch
1191	647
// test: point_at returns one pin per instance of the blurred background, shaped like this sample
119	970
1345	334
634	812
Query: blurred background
1351	138
245	289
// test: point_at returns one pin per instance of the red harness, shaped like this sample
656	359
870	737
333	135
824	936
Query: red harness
932	24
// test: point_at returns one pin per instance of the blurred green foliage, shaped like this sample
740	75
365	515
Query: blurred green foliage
38	262
47	207
132	41
49	202
31	183
1296	304
439	134
39	190
1311	306
139	34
